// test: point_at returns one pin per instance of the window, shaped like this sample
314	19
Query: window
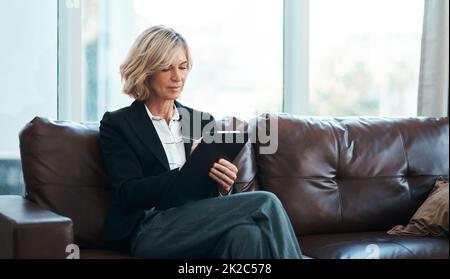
364	57
28	76
360	58
237	62
330	58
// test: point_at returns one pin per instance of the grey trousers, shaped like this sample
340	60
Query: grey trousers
251	225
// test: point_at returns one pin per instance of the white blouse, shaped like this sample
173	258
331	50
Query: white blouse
171	138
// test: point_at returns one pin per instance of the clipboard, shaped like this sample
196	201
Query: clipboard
193	182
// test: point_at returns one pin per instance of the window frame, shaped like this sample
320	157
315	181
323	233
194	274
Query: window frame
296	57
70	96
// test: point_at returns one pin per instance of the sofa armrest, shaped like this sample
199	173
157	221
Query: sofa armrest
29	231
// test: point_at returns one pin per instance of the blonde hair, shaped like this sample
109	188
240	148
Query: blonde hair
152	51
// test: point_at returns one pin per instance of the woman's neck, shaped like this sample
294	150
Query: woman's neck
163	108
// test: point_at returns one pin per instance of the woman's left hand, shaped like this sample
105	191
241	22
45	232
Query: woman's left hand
224	173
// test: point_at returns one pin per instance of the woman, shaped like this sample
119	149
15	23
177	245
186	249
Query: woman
143	150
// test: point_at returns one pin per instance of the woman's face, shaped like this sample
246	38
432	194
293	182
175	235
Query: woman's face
168	84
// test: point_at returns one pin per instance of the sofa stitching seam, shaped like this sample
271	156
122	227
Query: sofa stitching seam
407	163
340	191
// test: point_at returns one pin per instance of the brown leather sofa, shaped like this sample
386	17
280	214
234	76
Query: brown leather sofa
344	183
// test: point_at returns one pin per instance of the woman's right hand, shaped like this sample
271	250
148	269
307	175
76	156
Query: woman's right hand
224	173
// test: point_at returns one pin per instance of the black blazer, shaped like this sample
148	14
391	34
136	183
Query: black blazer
137	166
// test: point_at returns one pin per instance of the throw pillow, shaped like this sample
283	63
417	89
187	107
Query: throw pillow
432	216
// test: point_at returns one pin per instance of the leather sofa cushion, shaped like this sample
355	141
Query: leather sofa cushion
338	175
64	172
361	246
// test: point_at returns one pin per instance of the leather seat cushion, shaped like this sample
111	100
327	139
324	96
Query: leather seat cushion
360	246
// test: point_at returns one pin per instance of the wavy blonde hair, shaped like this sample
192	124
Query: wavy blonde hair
152	51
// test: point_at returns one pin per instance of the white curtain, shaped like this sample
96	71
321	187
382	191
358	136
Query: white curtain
434	73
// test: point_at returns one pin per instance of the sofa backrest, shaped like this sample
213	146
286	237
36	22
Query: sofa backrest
352	174
64	172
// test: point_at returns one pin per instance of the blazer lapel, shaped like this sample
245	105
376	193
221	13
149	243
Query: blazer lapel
143	127
186	127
